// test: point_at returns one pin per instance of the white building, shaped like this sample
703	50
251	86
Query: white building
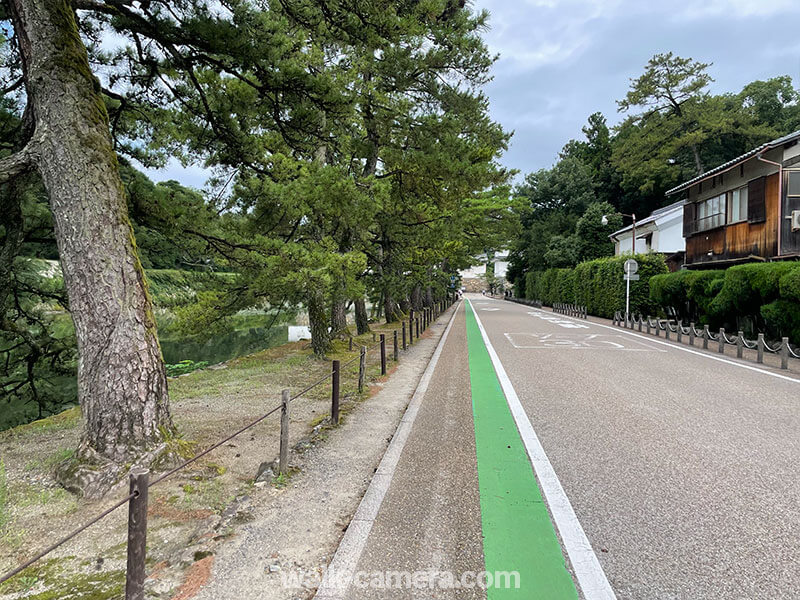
662	232
474	278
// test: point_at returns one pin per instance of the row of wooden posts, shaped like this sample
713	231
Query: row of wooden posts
411	329
760	345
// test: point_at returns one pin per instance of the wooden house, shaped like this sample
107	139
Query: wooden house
746	209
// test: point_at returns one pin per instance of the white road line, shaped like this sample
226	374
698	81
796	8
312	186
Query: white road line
689	350
590	575
345	561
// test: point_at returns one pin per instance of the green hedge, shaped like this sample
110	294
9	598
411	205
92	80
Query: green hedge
752	297
597	284
688	293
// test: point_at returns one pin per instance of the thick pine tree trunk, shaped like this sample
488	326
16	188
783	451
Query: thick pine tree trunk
404	306
318	322
338	316
429	296
389	307
362	320
416	297
122	386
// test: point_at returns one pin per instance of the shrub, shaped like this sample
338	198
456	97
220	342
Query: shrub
689	293
753	297
748	287
790	285
596	284
782	318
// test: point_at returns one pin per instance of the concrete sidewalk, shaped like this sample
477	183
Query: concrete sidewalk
292	533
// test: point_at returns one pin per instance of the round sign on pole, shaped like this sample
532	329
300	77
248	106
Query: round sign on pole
631	266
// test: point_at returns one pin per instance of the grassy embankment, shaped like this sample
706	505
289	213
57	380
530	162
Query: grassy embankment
206	405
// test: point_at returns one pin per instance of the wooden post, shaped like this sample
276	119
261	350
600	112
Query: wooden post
383	354
691	333
760	343
283	456
740	344
405	347
396	348
362	367
350	348
335	374
721	340
785	353
410	331
705	337
137	534
416	323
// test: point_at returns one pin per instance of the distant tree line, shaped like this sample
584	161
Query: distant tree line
675	129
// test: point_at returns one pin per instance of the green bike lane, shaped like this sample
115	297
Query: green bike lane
463	499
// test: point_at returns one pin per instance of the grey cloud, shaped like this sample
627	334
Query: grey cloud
546	100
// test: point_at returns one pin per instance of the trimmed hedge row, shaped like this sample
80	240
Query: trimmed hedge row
597	284
752	297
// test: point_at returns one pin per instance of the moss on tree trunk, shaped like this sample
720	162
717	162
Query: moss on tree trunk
122	386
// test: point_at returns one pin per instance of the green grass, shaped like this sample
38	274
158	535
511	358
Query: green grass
49	581
184	366
206	494
49	462
67	419
4	510
27	495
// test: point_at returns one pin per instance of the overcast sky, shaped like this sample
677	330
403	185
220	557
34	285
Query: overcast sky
561	60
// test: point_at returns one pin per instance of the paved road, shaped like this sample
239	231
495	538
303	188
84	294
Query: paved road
682	470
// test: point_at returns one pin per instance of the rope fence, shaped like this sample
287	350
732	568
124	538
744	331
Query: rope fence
412	328
654	326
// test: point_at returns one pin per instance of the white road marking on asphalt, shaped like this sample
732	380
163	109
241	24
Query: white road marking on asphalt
558	321
698	353
490	309
345	560
590	575
576	341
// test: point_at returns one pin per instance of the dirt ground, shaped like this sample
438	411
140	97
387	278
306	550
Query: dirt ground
197	511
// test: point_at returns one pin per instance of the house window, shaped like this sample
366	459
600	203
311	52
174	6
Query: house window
711	213
737	205
793	191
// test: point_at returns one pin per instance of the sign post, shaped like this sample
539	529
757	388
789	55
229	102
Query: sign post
631	267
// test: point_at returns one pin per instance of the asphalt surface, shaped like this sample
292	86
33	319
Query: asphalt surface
682	469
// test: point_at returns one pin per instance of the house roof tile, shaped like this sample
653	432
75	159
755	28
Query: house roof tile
732	163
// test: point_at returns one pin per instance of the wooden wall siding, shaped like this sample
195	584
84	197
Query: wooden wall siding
739	240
